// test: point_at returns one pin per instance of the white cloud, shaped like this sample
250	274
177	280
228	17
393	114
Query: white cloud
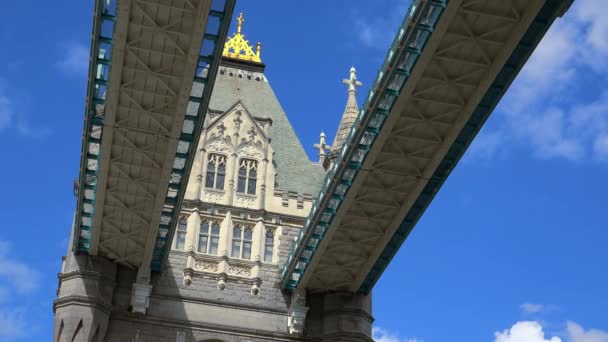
10	118
12	323
26	129
544	110
525	331
531	331
74	59
21	277
376	29
532	308
576	333
6	111
383	335
16	280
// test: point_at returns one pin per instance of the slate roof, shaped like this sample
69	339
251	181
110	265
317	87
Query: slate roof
295	172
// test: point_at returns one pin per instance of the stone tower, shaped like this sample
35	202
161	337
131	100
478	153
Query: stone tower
251	188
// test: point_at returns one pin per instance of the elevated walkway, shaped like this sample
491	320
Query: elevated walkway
142	122
446	70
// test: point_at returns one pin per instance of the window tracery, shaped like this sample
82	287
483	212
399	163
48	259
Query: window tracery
216	171
180	236
242	238
209	237
268	245
247	179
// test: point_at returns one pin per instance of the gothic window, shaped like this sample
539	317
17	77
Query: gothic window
268	245
248	173
241	242
209	237
216	171
180	237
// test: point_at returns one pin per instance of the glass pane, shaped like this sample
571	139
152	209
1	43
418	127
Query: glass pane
268	253
209	179
236	232
251	186
213	245
182	226
202	243
204	227
241	185
248	234
247	250
181	241
215	229
220	181
269	238
236	249
253	173
243	171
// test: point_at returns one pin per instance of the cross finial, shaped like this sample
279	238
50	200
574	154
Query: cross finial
352	82
221	128
321	146
252	133
240	21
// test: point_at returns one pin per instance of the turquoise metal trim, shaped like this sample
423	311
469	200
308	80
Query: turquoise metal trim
516	61
99	70
413	34
206	70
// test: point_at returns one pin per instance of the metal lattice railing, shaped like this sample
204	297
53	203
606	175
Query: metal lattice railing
99	72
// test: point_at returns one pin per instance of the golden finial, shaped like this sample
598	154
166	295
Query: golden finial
238	47
240	21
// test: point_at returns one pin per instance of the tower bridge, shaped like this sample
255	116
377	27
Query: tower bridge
199	216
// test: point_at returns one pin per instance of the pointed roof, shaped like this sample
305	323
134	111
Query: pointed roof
295	172
350	112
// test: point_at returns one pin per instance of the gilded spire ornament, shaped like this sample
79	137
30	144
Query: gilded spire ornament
238	47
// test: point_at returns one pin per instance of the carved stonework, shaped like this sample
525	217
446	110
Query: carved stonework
218	145
240	271
250	150
205	266
244	201
213	196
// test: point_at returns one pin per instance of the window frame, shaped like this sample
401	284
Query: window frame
179	233
215	160
269	232
251	166
242	240
210	236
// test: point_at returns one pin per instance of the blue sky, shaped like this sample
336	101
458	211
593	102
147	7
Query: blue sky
512	249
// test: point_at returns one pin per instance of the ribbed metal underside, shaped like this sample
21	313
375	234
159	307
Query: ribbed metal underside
150	120
464	54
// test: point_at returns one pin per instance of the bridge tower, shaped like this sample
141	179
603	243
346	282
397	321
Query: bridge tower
250	189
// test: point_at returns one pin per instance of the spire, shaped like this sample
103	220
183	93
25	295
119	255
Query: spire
238	47
350	112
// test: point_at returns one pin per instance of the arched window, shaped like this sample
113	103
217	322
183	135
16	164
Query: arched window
180	236
216	171
268	245
241	242
209	237
248	173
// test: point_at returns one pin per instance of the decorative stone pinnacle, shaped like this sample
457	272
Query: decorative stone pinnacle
321	146
352	82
